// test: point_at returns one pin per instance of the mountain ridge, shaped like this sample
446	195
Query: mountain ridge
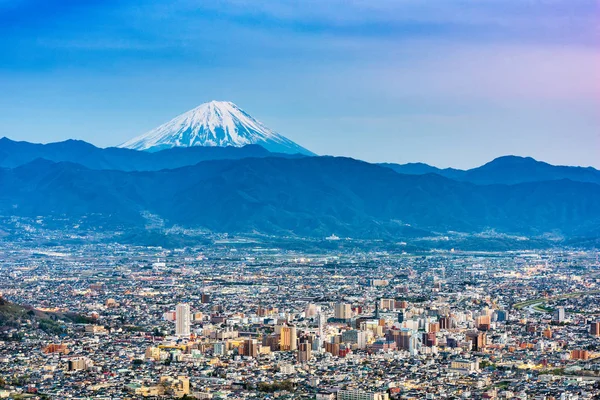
505	169
15	153
509	169
309	196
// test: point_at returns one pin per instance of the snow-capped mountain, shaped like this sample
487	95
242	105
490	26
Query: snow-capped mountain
217	123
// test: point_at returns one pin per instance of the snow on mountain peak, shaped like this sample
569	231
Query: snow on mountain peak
216	123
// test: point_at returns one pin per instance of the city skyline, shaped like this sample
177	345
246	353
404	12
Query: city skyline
209	322
392	81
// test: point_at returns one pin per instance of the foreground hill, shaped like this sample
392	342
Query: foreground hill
13	316
311	196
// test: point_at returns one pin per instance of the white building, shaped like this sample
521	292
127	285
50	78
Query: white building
465	366
182	320
559	314
360	395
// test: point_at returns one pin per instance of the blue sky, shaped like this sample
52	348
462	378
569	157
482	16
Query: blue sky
450	83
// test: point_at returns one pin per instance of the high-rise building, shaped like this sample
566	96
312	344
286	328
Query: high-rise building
477	339
304	352
321	321
559	314
343	311
402	304
429	339
333	348
317	344
387	304
293	338
182	320
219	349
501	315
595	328
272	341
288	339
401	317
250	348
355	336
433	327
403	339
483	322
182	386
444	322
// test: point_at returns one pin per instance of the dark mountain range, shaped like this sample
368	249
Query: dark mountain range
309	196
504	170
13	154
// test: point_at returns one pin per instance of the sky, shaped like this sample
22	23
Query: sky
453	83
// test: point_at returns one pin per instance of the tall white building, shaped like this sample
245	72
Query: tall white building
322	320
182	320
559	314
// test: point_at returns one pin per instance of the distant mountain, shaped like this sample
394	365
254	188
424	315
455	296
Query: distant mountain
13	154
422	169
217	123
309	196
504	170
513	169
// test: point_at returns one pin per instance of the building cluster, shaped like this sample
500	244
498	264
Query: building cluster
237	321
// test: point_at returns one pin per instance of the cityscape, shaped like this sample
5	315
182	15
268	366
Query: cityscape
235	320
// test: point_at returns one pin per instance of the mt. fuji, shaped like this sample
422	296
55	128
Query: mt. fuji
217	123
